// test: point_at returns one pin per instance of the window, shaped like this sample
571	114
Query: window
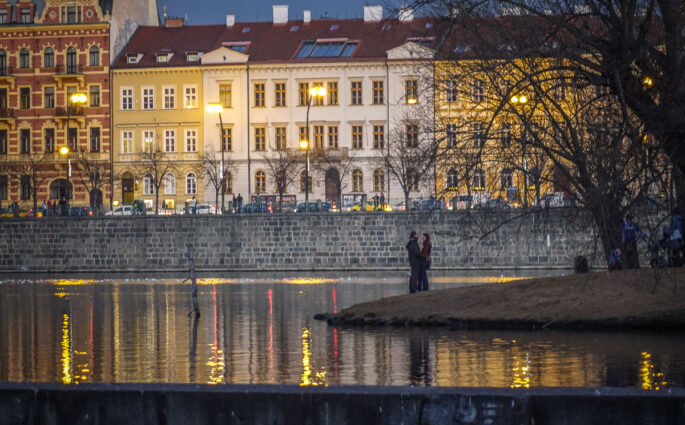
228	182
260	181
333	137
3	188
505	134
25	187
506	178
225	95
411	91
191	184
25	98
378	136
94	55
479	179
49	140
49	58
72	139
357	136
192	56
304	133
3	63
478	134
95	139
451	135
24	58
452	181
3	16
48	97
162	57
326	49
191	140
281	142
357	181
303	182
127	141
3	142
378	92
169	97
478	93
70	15
169	184
451	94
148	185
190	98
72	60
148	141
411	134
148	98
127	99
356	88
227	140
304	94
318	137
260	139
25	16
258	95
279	92
318	100
412	181
58	189
94	95
25	138
3	98
378	180
169	140
332	93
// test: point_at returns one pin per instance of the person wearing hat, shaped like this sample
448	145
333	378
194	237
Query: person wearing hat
416	261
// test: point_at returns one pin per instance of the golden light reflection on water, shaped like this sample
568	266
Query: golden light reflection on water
216	365
66	351
521	372
649	378
476	279
310	281
71	282
307	380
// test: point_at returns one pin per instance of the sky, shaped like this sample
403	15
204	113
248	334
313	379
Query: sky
199	12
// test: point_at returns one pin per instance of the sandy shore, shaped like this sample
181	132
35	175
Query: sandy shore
634	299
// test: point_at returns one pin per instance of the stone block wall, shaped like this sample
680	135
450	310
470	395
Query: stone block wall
326	241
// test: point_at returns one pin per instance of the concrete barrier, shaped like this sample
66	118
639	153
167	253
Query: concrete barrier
133	404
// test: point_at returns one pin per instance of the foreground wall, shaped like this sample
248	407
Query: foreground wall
106	404
544	239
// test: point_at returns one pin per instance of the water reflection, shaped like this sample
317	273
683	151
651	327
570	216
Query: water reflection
260	330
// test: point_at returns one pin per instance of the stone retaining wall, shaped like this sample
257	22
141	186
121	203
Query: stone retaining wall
543	239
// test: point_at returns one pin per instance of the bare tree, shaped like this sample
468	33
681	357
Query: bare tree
93	175
283	165
156	165
340	160
211	165
31	167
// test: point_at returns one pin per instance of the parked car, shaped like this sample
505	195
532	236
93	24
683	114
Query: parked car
315	206
462	202
494	204
202	209
430	205
122	210
256	207
551	200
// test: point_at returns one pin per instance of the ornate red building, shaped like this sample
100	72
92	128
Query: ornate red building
49	51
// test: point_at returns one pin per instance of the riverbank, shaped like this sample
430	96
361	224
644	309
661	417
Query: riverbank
631	299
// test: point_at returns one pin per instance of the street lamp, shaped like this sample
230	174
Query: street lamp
517	100
216	107
75	99
304	143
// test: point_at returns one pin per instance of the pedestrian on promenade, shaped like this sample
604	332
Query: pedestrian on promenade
240	202
630	231
426	252
194	204
416	261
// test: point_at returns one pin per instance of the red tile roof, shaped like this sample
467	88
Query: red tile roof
279	43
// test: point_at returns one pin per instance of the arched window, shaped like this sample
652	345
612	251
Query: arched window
357	180
506	178
94	56
58	189
48	58
378	180
412	181
191	184
228	182
303	182
71	60
169	184
479	179
24	58
452	180
3	63
260	181
148	185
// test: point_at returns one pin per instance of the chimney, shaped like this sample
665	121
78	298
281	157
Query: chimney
406	14
373	13
230	20
280	14
307	16
173	23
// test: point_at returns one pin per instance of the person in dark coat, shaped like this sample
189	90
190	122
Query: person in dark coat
426	251
630	231
416	261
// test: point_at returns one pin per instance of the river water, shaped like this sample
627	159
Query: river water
258	328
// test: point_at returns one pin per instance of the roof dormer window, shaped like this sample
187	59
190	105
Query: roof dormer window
163	57
25	15
133	57
422	41
327	48
192	56
3	16
245	30
294	28
238	46
334	27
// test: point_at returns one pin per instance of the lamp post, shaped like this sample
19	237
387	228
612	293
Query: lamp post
76	99
520	100
216	107
304	143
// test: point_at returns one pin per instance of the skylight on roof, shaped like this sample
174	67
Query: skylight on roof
462	49
246	30
294	28
238	47
326	49
334	27
429	25
386	27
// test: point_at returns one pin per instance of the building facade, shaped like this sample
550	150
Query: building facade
46	55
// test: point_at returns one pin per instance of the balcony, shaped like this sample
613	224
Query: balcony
69	73
7	76
7	116
77	113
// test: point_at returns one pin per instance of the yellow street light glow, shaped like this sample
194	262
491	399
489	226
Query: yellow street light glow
514	99
523	99
519	99
64	150
411	100
317	91
304	144
647	81
78	98
214	107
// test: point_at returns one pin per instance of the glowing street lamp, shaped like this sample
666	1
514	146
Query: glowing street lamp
75	99
304	143
216	107
519	100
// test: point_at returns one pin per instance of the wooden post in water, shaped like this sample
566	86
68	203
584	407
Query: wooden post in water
193	281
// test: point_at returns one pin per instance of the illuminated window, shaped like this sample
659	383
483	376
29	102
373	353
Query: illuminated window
357	181
190	97
228	182
127	141
411	91
260	181
225	95
148	141
412	181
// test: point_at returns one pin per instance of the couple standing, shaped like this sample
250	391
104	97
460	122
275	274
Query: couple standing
419	261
